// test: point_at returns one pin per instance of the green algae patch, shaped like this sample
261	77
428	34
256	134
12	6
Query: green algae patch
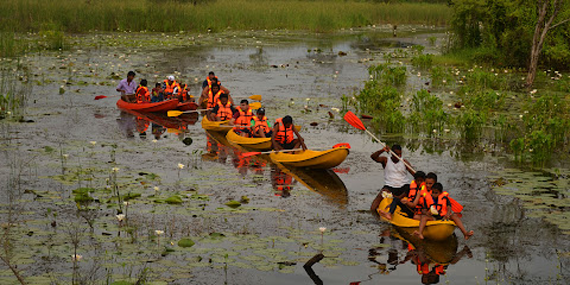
186	242
82	195
175	199
233	204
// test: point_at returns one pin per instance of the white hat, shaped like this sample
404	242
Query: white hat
170	77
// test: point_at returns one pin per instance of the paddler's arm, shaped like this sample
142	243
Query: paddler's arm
449	211
276	146
234	117
212	114
300	138
380	159
411	171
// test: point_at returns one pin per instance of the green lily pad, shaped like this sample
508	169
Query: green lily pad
186	242
174	200
233	204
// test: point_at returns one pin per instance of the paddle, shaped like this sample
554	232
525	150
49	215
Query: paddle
353	120
99	97
176	113
253	153
255	97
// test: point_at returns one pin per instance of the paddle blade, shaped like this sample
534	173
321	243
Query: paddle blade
353	120
174	113
255	105
255	97
249	154
99	97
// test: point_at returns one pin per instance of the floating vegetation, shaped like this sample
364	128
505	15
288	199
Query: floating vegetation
545	195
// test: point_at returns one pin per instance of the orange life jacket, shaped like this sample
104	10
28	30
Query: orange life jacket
142	94
184	93
142	125
169	89
213	100
210	81
224	112
441	204
423	268
425	199
244	119
284	135
414	190
261	124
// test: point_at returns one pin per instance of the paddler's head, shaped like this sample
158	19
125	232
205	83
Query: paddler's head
431	179
215	88
144	82
436	190
211	75
419	177
397	149
131	76
287	121
260	113
170	79
224	99
430	278
244	105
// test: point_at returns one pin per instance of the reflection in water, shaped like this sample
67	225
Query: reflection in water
130	121
281	181
431	259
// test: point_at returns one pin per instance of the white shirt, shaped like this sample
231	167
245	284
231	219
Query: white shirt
395	173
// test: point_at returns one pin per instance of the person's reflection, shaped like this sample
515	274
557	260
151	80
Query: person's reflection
240	163
281	182
142	126
157	130
127	124
430	270
392	252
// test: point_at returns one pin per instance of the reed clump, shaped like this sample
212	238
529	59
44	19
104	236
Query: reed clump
201	16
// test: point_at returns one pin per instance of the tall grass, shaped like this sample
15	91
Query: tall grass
172	16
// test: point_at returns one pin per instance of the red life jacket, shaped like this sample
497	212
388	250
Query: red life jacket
213	100
142	94
184	93
284	135
261	124
210	81
224	112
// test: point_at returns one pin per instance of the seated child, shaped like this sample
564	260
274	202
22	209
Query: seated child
157	93
411	199
439	210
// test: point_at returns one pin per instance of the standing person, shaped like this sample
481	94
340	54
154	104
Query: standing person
209	79
170	87
283	136
395	174
127	87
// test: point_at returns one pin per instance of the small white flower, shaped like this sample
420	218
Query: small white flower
444	81
419	74
180	165
93	142
308	99
520	116
322	229
154	141
120	217
446	130
76	257
533	91
8	112
156	188
115	169
159	232
450	92
449	105
335	109
434	131
126	203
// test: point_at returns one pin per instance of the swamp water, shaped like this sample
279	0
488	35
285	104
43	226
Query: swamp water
195	213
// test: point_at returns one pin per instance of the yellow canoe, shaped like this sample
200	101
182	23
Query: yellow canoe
260	144
215	126
434	230
311	159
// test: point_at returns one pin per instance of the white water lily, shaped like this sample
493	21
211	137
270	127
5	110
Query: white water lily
322	229
66	156
180	165
120	217
156	188
126	203
116	169
93	142
76	257
446	130
154	141
159	232
335	109
308	99
533	91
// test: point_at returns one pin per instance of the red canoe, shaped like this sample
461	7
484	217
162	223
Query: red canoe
148	107
187	106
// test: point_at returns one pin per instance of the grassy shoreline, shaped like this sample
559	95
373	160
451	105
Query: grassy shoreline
72	16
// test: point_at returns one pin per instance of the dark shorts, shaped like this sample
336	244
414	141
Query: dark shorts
244	131
398	191
290	145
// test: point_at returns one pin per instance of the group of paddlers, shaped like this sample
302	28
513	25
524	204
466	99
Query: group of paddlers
220	107
423	199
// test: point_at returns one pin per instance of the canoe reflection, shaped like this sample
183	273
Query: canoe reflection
130	120
430	258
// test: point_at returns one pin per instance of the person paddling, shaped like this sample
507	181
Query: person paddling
208	82
127	87
223	111
209	94
395	175
242	119
261	127
284	133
